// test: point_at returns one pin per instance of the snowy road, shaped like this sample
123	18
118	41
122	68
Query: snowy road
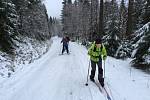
54	77
63	77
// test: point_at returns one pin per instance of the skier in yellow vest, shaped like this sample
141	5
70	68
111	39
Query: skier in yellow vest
97	53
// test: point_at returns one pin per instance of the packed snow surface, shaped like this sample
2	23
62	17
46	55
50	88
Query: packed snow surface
63	77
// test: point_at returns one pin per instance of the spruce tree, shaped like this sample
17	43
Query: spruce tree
112	39
8	25
137	14
146	12
122	19
141	52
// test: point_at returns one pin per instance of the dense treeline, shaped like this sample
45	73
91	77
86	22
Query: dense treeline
24	18
124	26
25	32
55	26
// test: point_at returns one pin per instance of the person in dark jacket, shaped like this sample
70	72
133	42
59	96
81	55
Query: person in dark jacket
65	42
97	53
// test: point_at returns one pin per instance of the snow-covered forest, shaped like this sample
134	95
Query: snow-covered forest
31	67
25	32
124	26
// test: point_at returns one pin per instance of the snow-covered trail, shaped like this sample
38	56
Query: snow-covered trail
63	77
55	77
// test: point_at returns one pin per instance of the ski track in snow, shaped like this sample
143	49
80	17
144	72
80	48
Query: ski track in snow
63	77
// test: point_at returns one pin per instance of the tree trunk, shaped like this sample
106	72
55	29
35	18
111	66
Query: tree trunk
129	20
101	27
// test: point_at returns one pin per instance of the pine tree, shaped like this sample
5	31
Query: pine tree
67	17
75	17
83	22
122	19
112	39
94	16
107	14
141	43
63	15
123	50
146	12
8	25
80	18
137	14
86	20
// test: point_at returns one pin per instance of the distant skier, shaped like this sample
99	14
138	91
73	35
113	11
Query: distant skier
65	42
97	52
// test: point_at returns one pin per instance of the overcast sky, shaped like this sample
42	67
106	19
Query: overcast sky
54	7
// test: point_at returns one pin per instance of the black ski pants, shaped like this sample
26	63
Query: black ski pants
65	47
100	70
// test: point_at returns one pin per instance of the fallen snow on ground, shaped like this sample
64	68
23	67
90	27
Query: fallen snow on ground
63	77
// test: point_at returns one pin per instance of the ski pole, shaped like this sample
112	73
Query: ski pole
104	69
60	51
88	74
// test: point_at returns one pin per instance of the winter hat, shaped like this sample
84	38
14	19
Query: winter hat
98	41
